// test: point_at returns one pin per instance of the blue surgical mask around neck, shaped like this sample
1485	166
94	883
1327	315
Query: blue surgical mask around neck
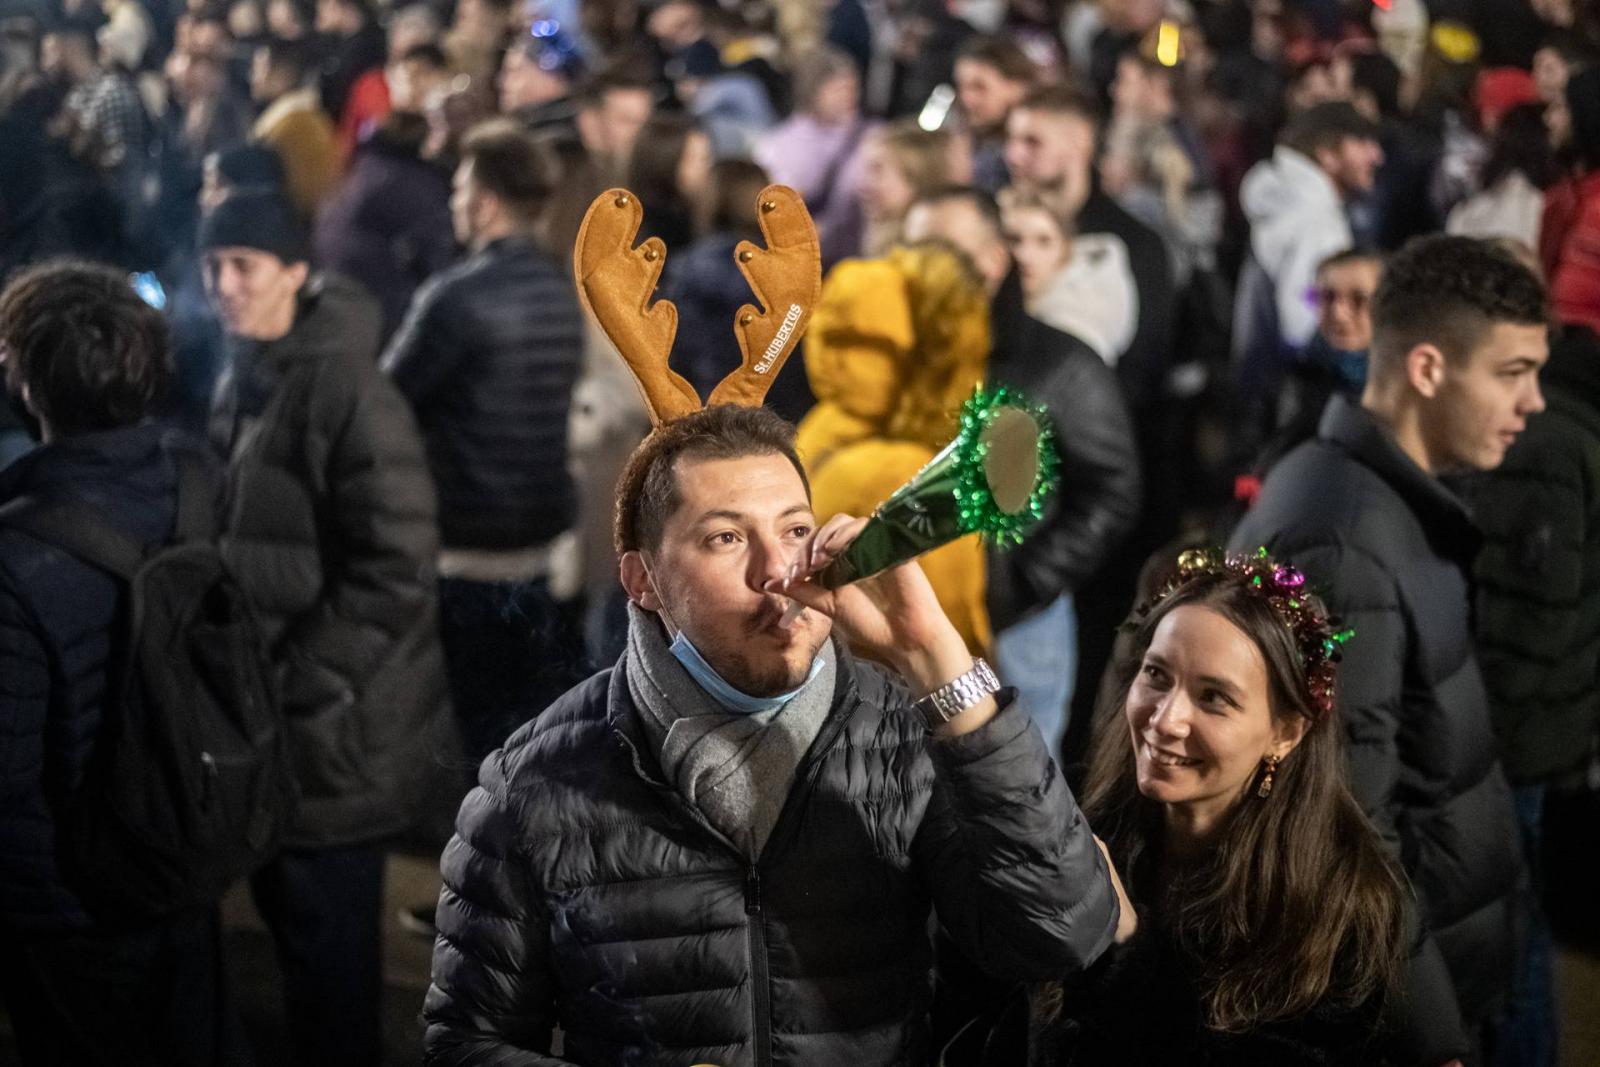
706	677
724	692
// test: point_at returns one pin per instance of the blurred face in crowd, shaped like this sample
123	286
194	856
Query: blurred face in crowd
738	523
1266	28
1558	121
1038	244
336	18
523	83
694	166
1138	92
414	85
1344	303
254	292
267	82
210	38
958	222
676	24
1478	404
986	95
1046	150
611	129
245	20
284	20
66	57
838	99
886	190
1353	165
1550	74
411	27
1200	718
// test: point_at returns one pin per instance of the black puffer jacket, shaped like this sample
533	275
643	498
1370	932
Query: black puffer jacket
1539	574
58	628
1390	549
1097	498
330	530
581	890
488	356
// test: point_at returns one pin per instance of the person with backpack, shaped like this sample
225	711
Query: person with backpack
332	529
91	978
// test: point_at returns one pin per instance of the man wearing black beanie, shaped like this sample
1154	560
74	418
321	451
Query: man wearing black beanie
331	530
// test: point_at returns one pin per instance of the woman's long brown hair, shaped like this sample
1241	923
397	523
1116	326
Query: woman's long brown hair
1297	903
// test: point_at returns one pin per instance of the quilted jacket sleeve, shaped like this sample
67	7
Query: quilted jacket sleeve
492	1000
1012	866
1536	627
427	348
1095	504
381	510
1372	675
24	701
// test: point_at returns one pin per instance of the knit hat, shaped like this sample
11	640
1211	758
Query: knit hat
249	165
263	221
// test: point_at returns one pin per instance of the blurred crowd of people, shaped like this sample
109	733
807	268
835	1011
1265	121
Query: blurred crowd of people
1168	223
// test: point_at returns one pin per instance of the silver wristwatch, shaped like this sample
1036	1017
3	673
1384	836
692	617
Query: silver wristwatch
952	698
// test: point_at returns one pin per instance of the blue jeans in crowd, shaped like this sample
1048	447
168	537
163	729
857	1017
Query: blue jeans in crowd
324	908
1039	655
1526	1036
509	651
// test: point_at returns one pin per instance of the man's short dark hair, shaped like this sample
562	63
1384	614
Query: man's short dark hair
647	492
427	53
972	196
1327	126
1002	54
1376	73
290	58
1063	99
510	162
1355	254
1447	291
592	93
93	355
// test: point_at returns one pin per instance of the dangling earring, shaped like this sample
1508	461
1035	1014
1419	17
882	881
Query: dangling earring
1266	783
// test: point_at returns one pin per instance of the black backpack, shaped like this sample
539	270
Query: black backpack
190	785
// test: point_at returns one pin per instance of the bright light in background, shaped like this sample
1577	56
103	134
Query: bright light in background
149	290
937	109
1167	44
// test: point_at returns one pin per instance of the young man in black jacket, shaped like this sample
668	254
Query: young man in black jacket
1029	590
726	849
1051	138
488	357
1458	337
83	982
331	530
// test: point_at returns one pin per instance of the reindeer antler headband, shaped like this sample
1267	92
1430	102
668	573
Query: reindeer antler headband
616	282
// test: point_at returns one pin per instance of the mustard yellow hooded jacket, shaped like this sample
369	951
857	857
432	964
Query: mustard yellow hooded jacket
896	345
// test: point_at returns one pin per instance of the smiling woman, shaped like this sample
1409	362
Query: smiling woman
1217	783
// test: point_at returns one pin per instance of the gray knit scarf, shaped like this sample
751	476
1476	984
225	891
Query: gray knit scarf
736	769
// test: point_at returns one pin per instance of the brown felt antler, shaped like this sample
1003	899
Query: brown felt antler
615	282
787	279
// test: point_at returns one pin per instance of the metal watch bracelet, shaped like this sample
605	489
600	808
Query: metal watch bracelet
954	697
